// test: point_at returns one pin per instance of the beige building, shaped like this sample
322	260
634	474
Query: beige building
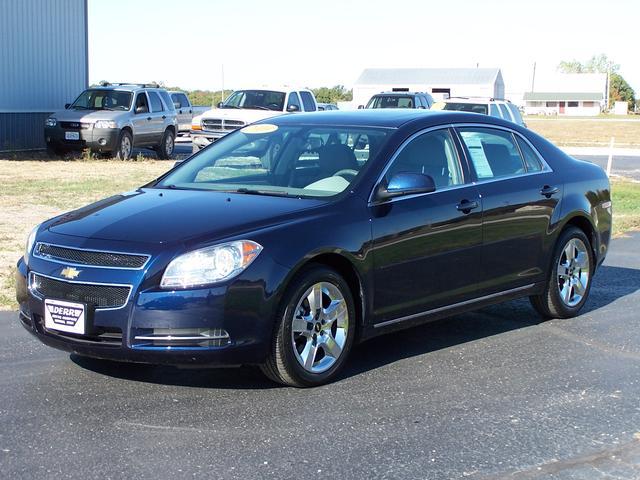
577	94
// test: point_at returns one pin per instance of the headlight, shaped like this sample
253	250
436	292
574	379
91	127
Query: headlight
30	241
50	122
210	265
105	124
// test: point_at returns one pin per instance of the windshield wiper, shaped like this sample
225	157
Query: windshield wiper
229	106
251	191
259	107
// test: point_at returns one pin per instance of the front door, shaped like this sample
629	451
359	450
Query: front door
141	120
561	107
426	247
520	194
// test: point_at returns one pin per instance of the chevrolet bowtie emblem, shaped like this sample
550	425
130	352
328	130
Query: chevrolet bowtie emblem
70	273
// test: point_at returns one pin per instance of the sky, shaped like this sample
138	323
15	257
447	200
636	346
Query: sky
329	42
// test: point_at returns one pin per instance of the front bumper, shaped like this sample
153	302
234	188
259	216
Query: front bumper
241	309
98	139
201	139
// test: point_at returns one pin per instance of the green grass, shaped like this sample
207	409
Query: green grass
625	196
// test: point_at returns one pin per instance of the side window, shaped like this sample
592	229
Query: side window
307	101
515	113
505	112
293	100
493	153
175	97
530	158
184	101
156	104
493	110
432	153
168	102
141	101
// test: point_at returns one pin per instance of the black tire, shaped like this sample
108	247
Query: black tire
167	145
549	303
282	365
124	145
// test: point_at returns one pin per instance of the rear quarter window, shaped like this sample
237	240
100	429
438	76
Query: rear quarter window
307	101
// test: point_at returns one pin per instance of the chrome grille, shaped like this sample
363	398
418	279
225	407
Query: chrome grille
90	257
100	296
75	125
221	124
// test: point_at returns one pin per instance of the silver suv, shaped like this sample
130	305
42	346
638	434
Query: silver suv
114	118
495	107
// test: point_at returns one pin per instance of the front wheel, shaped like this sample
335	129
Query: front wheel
315	330
124	146
570	275
167	144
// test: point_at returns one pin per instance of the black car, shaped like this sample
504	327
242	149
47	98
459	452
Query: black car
288	241
400	100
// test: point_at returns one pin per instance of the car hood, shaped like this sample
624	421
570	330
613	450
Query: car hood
87	116
245	115
168	216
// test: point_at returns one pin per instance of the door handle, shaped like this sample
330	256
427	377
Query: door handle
180	111
190	111
164	116
548	190
148	118
465	206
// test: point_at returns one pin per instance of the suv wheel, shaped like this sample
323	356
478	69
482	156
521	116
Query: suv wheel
124	146
166	147
314	331
569	280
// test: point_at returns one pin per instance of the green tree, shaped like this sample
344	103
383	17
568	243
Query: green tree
332	95
621	91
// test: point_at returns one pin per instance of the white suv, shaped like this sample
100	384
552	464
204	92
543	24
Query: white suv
247	106
487	106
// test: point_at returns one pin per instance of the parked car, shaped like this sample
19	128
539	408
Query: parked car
486	106
113	119
327	106
279	246
400	100
185	111
247	106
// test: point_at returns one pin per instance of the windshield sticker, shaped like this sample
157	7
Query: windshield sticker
260	128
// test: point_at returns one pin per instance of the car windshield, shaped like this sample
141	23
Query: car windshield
100	99
268	159
391	101
256	99
467	107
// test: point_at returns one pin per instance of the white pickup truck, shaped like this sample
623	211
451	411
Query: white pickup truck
185	111
247	106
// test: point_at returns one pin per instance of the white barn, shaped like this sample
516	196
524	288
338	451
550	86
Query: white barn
572	94
439	82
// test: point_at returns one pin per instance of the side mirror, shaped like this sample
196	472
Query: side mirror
141	109
220	104
293	108
405	183
177	105
360	107
66	106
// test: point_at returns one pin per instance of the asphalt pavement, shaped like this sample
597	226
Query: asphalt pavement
490	394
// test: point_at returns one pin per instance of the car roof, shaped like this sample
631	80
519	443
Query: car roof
126	88
384	117
399	93
475	100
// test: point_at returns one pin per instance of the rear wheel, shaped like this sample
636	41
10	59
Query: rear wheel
167	145
570	277
315	330
124	146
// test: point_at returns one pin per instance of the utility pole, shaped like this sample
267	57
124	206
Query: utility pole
222	70
533	78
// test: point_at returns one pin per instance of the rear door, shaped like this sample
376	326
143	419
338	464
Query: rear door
158	118
307	101
427	247
520	194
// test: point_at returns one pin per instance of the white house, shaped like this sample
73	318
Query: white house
567	94
439	82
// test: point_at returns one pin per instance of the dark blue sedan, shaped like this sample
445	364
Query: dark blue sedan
289	240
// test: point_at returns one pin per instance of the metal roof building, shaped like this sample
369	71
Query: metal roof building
439	82
43	65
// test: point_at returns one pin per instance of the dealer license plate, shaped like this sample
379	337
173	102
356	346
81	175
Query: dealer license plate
64	316
72	135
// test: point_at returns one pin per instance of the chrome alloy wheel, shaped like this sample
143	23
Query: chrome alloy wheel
125	147
573	272
319	327
168	145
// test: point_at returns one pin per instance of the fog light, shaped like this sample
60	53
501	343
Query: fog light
102	141
184	337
